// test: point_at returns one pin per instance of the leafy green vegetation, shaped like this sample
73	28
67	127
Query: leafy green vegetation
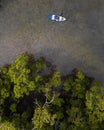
33	96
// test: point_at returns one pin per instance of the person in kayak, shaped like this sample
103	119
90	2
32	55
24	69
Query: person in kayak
57	17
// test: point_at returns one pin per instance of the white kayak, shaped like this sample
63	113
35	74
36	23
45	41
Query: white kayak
56	18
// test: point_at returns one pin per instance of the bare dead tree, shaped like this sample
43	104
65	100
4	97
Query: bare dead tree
47	103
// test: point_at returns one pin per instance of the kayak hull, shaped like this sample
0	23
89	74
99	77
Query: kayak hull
56	18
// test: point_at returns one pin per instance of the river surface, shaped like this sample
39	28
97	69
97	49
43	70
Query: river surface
78	42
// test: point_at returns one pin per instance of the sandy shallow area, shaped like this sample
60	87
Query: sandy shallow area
78	42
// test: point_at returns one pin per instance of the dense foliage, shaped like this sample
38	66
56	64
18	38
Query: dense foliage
34	96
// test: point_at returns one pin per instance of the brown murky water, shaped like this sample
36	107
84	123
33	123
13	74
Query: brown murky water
78	42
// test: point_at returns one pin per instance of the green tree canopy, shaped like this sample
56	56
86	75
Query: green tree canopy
20	74
7	126
5	84
35	96
42	117
95	105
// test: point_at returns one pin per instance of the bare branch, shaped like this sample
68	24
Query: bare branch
36	102
46	102
52	99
